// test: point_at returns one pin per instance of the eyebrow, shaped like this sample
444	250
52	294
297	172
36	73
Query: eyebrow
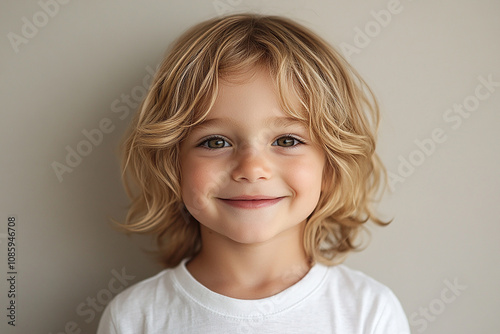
271	121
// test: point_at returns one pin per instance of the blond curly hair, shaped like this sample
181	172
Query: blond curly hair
337	104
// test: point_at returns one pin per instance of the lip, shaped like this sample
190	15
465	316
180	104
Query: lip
251	202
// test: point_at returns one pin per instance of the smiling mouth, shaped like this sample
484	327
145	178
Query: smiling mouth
251	202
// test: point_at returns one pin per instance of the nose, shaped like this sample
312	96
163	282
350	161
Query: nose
251	166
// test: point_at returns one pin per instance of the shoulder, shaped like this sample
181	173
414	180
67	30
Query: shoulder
366	300
134	308
352	280
140	295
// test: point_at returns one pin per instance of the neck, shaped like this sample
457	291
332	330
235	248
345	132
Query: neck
250	271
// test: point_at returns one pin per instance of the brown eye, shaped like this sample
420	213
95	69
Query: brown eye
287	141
214	143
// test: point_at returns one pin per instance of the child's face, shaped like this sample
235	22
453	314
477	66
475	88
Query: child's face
250	156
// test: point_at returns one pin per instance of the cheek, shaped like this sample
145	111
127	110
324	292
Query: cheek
201	180
305	176
193	181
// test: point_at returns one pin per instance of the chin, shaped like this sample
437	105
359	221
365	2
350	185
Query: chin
252	236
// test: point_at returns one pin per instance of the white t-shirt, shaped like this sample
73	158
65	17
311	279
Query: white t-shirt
333	299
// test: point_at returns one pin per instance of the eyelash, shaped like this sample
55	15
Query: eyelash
205	141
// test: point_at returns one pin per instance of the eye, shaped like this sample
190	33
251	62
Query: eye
213	143
287	141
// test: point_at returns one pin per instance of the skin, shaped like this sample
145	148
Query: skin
250	253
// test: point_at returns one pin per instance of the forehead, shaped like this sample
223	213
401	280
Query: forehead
254	93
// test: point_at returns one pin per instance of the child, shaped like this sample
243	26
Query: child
254	164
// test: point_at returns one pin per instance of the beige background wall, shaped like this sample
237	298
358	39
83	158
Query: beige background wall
70	67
